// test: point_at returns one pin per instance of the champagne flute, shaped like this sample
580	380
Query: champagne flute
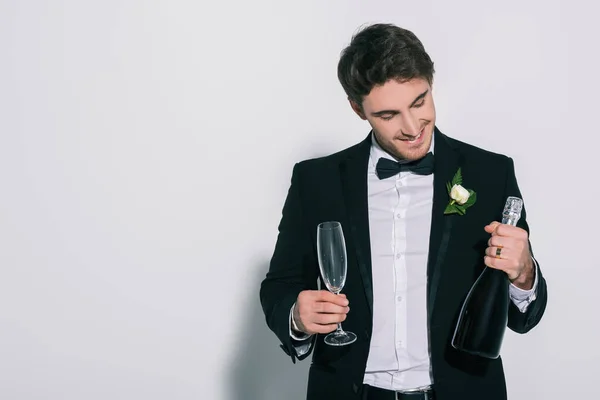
331	249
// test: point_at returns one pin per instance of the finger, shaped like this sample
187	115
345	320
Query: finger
511	231
329	297
316	328
330	308
307	296
501	241
503	265
492	251
496	263
491	227
326	319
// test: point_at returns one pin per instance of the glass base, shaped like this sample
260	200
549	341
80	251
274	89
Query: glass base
340	338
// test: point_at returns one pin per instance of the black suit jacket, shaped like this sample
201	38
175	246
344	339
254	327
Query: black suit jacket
334	188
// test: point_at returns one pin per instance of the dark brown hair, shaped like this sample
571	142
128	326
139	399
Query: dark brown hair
378	53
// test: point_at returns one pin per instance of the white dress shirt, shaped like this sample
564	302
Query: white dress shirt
399	210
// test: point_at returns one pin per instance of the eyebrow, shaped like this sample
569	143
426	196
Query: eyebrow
415	101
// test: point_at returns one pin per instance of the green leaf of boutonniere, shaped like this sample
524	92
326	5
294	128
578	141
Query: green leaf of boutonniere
457	180
450	208
472	199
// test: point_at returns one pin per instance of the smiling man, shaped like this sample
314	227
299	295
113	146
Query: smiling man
410	265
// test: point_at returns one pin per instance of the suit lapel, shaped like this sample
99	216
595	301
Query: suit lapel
447	161
353	171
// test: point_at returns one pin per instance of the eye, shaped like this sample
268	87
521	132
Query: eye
419	104
387	117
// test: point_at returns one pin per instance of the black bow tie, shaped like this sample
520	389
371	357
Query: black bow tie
386	167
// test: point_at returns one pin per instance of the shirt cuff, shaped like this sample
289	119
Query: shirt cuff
300	340
297	335
522	298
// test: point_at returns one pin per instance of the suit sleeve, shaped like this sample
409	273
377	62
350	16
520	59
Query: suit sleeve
523	322
292	268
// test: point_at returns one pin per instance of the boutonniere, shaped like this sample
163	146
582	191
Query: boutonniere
460	198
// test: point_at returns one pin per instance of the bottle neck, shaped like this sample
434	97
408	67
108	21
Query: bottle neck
510	219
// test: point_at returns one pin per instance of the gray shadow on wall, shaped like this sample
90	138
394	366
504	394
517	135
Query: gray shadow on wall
258	368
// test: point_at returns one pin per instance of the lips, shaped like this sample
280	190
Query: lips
416	140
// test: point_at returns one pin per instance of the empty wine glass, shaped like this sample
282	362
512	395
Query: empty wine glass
331	249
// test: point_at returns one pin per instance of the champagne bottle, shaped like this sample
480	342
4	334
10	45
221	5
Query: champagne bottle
484	315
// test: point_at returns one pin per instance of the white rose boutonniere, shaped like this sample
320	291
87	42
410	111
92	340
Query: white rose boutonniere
459	194
460	198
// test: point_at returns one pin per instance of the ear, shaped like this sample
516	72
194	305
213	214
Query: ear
357	109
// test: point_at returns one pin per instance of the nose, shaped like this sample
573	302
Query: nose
410	125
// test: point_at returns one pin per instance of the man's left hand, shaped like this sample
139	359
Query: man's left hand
515	258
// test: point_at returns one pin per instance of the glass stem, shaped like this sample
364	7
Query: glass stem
339	327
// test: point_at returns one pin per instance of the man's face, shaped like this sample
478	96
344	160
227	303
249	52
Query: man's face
402	116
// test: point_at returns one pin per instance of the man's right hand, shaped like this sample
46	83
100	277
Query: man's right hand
319	311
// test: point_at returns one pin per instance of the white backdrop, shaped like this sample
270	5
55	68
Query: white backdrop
146	149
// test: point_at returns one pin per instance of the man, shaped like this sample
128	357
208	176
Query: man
410	264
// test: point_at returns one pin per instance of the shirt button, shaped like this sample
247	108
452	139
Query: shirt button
399	298
398	216
399	343
398	256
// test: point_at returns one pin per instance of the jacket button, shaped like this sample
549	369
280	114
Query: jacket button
355	387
